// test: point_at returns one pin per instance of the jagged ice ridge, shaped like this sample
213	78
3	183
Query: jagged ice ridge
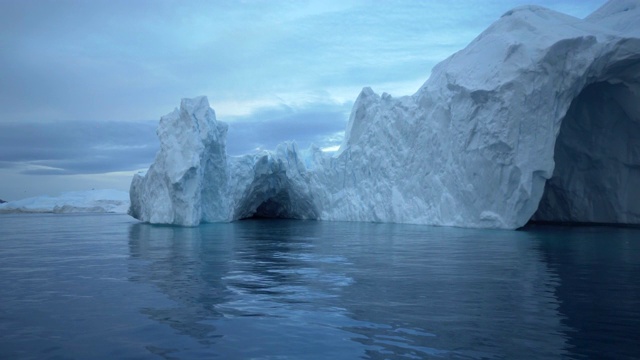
537	117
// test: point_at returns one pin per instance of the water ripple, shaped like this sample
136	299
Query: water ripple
97	286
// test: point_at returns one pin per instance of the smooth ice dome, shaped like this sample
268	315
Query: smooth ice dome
537	117
101	201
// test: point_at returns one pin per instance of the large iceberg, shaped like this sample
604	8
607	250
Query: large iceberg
537	117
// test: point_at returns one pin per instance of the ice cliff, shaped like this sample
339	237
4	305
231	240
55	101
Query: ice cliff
539	117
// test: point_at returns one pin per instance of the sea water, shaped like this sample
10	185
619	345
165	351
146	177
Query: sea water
106	286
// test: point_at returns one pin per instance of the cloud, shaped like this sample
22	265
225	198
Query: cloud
95	147
267	128
132	60
14	185
121	60
77	147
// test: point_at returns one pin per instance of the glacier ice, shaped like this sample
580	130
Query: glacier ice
536	117
99	201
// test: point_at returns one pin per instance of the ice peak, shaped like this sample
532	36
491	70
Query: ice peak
618	15
614	7
197	102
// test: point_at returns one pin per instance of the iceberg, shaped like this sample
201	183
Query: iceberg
536	118
96	201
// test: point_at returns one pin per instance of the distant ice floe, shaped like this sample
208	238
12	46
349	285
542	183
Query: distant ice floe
96	201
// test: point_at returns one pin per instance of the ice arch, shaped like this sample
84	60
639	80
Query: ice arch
597	154
273	194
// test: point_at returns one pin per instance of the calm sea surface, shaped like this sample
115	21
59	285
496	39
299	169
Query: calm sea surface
105	286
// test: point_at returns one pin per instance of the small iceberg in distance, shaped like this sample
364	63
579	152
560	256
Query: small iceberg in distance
91	201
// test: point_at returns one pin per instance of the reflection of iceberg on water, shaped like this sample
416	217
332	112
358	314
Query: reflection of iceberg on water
241	291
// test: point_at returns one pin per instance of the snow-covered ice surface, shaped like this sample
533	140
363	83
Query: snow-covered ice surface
102	201
537	95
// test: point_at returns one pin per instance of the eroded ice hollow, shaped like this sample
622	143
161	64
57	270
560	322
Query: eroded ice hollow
597	154
273	194
538	117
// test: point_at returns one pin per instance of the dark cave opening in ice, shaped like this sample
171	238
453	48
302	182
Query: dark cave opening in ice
275	196
597	155
281	206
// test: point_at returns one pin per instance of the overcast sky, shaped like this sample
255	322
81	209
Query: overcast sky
83	83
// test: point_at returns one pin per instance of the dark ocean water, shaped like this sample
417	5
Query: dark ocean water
105	286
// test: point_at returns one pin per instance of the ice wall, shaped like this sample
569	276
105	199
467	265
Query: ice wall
190	166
